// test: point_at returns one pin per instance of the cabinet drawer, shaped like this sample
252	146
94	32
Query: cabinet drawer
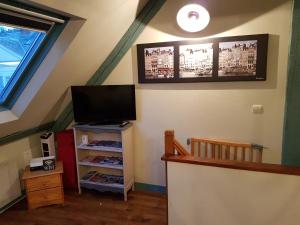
45	197
44	182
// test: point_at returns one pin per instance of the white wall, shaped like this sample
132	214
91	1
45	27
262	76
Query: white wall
218	110
212	195
21	151
17	154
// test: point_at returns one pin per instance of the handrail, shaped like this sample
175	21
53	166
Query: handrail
259	167
171	144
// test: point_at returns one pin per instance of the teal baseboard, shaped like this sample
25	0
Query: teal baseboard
10	204
150	187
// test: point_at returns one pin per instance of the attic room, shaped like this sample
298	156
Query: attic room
177	112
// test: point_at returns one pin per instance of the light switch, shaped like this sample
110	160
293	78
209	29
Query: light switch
257	109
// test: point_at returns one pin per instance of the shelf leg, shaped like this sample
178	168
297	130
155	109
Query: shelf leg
133	188
125	196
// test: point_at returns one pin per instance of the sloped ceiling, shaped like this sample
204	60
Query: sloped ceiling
105	23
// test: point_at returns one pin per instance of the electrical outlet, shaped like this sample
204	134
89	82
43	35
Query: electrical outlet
257	109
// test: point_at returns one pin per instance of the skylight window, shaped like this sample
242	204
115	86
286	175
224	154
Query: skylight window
26	36
16	46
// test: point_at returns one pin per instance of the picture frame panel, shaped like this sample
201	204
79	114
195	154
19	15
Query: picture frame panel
156	62
196	60
199	61
256	57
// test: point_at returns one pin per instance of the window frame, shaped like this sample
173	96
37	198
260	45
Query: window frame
32	60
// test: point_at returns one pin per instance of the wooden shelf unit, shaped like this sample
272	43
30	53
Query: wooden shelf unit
105	133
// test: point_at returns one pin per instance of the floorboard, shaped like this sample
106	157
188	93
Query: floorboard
93	208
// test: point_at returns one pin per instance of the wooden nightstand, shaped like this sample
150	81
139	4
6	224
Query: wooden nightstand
44	187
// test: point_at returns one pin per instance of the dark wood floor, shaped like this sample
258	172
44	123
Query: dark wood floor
93	208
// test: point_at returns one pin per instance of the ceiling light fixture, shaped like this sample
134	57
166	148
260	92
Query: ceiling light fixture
193	17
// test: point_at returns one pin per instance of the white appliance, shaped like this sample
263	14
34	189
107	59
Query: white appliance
47	144
37	163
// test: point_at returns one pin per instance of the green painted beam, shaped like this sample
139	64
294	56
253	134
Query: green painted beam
291	136
21	134
135	29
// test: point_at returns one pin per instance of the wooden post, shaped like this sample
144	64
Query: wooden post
259	155
235	152
169	142
192	142
213	152
251	154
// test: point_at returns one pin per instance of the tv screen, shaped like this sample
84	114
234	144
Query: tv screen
104	104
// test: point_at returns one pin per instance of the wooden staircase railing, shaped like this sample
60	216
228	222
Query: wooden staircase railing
214	149
225	150
171	144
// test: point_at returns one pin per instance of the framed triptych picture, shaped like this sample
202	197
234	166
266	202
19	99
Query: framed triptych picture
238	58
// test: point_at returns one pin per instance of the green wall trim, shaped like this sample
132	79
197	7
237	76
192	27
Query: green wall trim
291	132
135	29
21	134
150	187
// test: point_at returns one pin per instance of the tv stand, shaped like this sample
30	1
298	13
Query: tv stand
105	163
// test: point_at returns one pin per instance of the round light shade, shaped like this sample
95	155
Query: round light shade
193	18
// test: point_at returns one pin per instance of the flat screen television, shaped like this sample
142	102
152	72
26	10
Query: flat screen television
104	104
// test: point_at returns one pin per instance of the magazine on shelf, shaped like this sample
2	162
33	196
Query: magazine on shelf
105	143
97	177
98	159
111	160
89	175
87	159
